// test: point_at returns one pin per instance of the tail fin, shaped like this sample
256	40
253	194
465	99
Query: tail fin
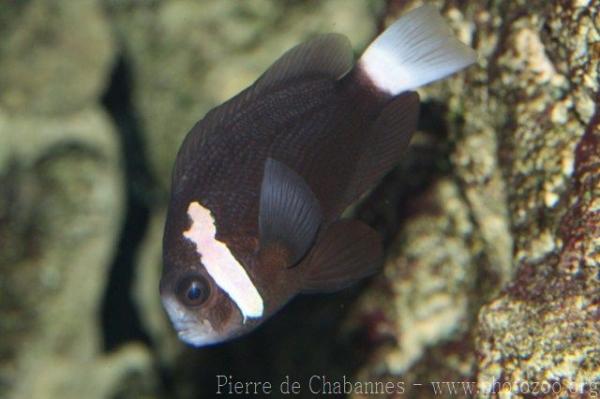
417	49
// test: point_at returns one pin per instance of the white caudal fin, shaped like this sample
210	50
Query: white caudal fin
417	49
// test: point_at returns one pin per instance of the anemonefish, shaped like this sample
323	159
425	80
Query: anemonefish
260	183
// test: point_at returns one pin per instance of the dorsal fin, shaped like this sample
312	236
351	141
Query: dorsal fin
328	55
289	213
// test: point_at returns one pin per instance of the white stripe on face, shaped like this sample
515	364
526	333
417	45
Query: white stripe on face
220	262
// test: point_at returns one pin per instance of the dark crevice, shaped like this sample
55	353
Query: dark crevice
119	317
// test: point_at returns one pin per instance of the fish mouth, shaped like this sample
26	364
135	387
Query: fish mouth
190	329
199	336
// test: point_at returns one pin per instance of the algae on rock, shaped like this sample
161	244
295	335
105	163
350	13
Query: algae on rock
525	130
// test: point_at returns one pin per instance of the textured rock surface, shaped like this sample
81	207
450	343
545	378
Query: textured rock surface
60	205
54	56
523	131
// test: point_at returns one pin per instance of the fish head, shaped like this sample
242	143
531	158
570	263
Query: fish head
201	313
205	288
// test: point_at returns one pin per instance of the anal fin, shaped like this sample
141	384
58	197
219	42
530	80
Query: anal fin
347	252
289	213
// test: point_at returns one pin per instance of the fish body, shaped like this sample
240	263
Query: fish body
260	182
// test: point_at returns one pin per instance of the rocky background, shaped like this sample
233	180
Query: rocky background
492	225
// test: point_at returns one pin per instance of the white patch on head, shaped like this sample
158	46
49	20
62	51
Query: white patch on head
189	329
220	263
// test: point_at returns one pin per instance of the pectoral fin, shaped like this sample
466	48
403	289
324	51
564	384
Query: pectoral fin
347	252
289	213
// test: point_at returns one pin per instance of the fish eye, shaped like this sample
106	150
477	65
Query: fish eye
193	291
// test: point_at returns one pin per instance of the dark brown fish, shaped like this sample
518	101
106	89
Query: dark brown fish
260	183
